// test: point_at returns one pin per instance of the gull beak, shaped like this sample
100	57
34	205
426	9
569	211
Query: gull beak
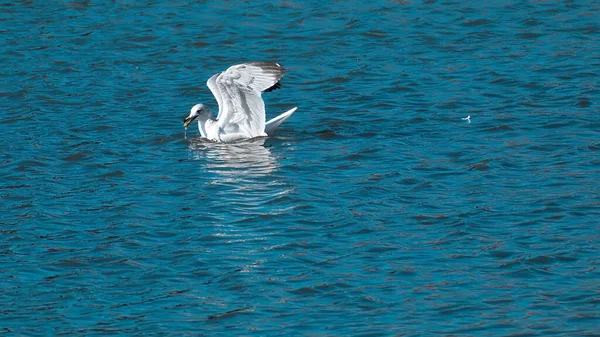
188	120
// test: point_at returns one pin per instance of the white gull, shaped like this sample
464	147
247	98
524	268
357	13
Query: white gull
238	90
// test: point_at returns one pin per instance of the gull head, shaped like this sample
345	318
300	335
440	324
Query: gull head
197	110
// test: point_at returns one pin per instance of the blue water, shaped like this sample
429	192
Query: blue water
377	210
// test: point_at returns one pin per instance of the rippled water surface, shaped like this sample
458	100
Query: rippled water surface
377	210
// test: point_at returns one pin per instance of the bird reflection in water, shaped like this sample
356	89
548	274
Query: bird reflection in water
243	185
248	159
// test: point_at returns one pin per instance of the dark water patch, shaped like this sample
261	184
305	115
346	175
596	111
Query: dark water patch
328	135
231	313
482	166
476	22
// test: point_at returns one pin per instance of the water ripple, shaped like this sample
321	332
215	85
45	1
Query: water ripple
376	209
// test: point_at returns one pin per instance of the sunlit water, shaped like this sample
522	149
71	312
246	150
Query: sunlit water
376	210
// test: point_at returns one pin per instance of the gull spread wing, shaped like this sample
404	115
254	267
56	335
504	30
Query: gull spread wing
242	109
212	85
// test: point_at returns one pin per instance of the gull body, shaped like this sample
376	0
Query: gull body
238	91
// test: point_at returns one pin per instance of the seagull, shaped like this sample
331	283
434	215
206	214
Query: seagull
238	91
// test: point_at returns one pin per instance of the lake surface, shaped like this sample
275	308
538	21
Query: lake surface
378	209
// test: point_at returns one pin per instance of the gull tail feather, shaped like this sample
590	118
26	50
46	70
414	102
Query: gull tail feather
272	124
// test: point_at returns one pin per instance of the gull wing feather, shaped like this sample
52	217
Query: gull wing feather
212	85
241	86
274	123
